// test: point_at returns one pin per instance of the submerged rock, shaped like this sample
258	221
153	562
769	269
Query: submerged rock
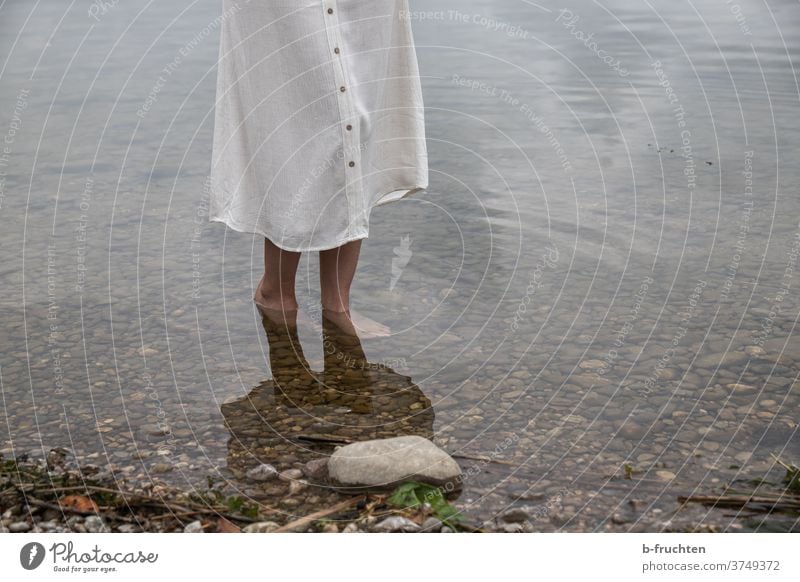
388	462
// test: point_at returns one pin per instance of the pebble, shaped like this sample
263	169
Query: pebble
756	351
515	515
261	527
19	526
316	469
592	364
350	528
737	387
559	517
396	523
194	527
513	394
95	524
296	487
632	430
291	475
262	472
665	475
721	360
432	524
620	519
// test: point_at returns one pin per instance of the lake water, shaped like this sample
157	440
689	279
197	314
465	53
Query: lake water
602	274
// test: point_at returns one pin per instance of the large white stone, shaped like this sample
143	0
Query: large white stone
387	462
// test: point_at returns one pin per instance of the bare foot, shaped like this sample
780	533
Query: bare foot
354	323
271	302
281	311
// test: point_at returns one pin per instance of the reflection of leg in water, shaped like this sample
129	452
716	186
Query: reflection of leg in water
294	383
388	404
346	378
299	414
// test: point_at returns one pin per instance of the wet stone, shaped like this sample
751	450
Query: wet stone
388	462
515	515
296	487
262	472
316	470
261	527
396	523
592	364
95	524
291	475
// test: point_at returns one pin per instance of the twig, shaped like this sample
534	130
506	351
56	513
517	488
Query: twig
321	439
96	488
62	508
318	514
228	516
739	501
776	496
789	468
142	499
488	460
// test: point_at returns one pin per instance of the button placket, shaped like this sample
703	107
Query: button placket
351	154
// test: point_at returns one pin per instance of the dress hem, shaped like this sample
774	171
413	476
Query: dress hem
388	197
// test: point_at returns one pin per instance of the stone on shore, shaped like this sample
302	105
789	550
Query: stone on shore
388	462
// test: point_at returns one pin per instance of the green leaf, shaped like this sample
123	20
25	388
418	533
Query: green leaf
413	494
235	503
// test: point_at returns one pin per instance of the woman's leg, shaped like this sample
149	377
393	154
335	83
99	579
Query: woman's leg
276	289
337	267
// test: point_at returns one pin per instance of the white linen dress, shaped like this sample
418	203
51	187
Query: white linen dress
318	119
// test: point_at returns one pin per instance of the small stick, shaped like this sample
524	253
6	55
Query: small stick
738	501
487	459
318	514
55	507
789	468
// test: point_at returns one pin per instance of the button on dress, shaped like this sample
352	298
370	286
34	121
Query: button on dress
318	118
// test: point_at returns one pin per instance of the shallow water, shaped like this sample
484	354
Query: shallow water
574	292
